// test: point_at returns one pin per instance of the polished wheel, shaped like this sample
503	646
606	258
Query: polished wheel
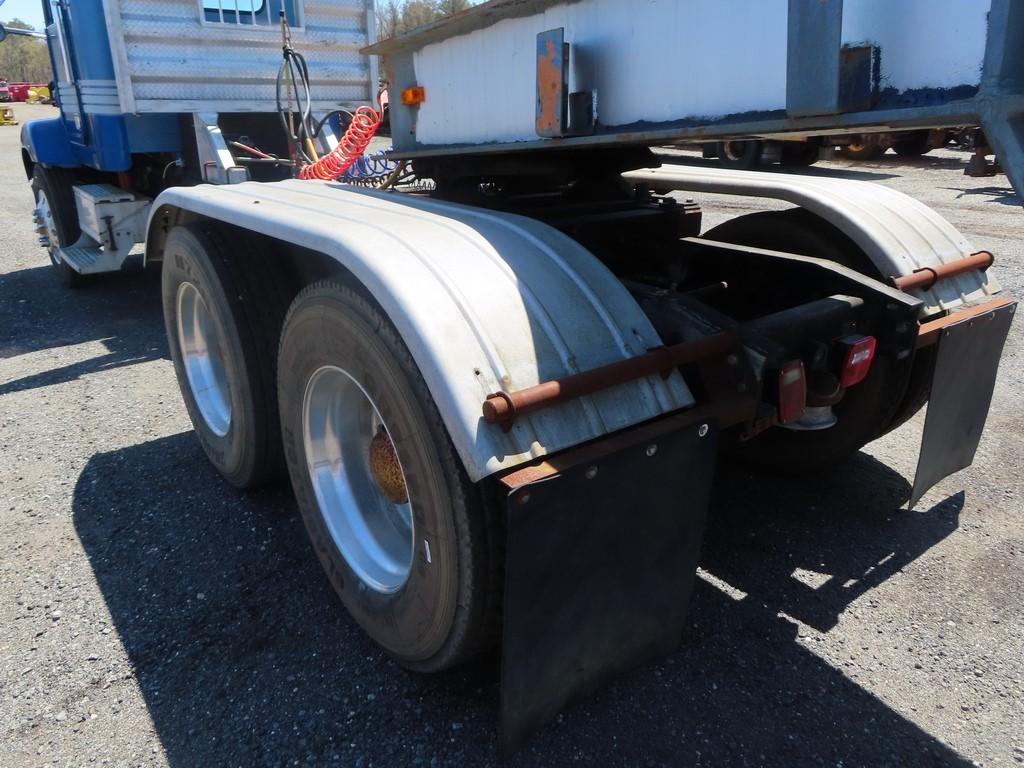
357	479
46	227
203	358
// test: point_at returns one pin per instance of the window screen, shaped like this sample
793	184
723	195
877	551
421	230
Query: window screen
260	13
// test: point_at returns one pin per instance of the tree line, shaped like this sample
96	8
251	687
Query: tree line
24	59
395	17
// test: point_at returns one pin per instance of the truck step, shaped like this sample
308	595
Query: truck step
91	260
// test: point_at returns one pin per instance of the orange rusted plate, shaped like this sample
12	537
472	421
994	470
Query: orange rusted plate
552	73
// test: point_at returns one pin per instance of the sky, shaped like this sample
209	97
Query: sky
30	11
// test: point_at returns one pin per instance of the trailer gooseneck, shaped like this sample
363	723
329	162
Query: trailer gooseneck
499	393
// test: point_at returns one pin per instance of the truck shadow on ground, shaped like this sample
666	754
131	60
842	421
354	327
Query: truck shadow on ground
1001	195
244	657
119	311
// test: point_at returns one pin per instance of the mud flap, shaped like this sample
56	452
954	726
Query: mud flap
961	392
601	554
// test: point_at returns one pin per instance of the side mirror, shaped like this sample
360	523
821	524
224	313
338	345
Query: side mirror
3	33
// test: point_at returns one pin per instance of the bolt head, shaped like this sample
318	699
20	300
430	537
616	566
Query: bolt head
591	473
702	430
652	449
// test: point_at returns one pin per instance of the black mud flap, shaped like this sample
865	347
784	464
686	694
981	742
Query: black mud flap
961	392
601	555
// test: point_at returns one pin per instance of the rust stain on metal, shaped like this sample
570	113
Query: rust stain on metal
930	332
725	413
549	90
926	277
505	407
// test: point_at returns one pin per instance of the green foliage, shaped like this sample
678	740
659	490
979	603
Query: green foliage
24	59
397	18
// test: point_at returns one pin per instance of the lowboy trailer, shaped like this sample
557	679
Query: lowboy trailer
500	395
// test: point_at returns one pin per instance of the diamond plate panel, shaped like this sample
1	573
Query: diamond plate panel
169	58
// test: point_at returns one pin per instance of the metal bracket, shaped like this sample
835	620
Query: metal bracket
215	159
559	112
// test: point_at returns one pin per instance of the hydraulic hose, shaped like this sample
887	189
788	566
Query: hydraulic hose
353	143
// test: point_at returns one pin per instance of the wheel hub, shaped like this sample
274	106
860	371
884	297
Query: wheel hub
386	470
44	224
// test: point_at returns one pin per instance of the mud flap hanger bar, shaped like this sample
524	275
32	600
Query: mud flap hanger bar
926	277
505	407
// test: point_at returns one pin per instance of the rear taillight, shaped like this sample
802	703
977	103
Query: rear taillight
792	391
860	351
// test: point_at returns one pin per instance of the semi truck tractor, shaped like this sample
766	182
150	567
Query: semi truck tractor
499	365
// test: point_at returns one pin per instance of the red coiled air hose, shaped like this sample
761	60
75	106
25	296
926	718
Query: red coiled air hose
364	125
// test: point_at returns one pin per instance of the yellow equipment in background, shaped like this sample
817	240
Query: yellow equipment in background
38	95
7	116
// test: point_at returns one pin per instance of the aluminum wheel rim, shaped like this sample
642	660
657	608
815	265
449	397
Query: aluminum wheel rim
373	533
46	216
733	150
202	353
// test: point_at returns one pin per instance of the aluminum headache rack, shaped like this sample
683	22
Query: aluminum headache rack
223	55
610	72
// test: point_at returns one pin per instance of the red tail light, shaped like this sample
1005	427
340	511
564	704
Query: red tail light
860	351
792	391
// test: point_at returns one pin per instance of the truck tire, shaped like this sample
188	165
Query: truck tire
868	410
403	535
912	144
741	155
800	154
52	190
223	314
863	148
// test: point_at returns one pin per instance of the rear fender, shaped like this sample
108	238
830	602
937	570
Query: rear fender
484	301
896	232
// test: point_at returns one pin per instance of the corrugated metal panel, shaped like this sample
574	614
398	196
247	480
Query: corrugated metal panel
692	68
169	58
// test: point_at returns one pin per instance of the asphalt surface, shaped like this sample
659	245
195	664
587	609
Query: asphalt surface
151	615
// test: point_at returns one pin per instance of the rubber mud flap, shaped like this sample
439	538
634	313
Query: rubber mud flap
600	562
961	393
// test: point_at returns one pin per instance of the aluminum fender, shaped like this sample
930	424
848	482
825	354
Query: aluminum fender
898	233
485	301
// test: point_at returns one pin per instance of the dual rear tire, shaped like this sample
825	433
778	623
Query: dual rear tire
404	536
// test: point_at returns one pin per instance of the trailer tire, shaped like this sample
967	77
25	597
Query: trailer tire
800	154
740	155
223	315
912	144
867	410
55	187
864	148
410	547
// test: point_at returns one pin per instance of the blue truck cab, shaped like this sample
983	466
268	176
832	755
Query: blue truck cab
91	131
153	95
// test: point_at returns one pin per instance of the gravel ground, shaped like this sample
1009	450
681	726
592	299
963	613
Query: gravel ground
151	615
